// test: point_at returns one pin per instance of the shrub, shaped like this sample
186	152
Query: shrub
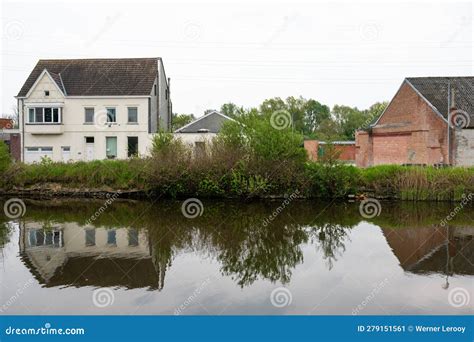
161	141
5	159
332	181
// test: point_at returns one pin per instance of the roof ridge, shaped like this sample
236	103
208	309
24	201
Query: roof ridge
95	59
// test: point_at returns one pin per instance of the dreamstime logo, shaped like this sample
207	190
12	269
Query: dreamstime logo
278	210
465	200
192	31
281	119
101	119
103	297
369	31
369	208
459	297
281	297
192	297
19	292
14	208
107	203
460	119
13	30
109	21
192	208
370	297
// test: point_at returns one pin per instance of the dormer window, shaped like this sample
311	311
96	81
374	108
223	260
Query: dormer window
46	93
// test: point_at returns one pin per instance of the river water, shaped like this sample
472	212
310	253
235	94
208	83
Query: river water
223	258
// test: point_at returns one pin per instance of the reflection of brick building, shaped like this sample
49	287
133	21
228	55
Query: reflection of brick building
414	127
430	250
344	150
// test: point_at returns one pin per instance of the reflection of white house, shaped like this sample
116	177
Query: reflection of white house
85	109
69	254
201	131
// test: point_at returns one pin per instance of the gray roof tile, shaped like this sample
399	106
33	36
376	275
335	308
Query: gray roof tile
435	90
98	77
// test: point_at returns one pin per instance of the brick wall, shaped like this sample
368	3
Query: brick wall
409	132
15	146
347	151
311	147
6	123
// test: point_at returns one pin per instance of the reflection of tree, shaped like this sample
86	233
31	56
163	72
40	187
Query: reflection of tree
232	233
268	252
4	233
331	239
161	254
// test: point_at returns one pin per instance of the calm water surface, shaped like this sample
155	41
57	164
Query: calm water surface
236	258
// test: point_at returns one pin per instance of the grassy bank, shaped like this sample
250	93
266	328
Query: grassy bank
206	179
251	158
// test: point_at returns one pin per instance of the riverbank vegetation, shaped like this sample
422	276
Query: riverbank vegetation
250	158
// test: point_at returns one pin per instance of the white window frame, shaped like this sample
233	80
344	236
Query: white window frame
60	118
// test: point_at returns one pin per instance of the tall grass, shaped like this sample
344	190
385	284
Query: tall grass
224	171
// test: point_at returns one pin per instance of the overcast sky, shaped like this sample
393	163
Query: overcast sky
353	53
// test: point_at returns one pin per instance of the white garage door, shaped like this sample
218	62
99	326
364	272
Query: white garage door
34	154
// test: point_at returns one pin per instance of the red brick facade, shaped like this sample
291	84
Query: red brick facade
15	146
6	123
409	132
346	151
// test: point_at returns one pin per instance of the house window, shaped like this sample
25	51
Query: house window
48	114
38	115
133	237
112	237
89	140
132	146
111	147
31	117
43	115
111	115
46	93
89	115
154	89
90	237
132	114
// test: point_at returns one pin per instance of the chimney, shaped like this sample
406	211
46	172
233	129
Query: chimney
453	99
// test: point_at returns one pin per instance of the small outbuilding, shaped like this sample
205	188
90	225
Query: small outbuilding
201	131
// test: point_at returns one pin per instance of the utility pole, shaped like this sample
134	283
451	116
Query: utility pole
449	122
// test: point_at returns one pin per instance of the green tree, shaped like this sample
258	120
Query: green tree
232	110
374	112
315	114
257	136
350	119
180	120
328	130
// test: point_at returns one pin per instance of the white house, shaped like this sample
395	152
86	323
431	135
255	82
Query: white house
201	131
86	109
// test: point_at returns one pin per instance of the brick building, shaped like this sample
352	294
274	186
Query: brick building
11	137
345	150
413	129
